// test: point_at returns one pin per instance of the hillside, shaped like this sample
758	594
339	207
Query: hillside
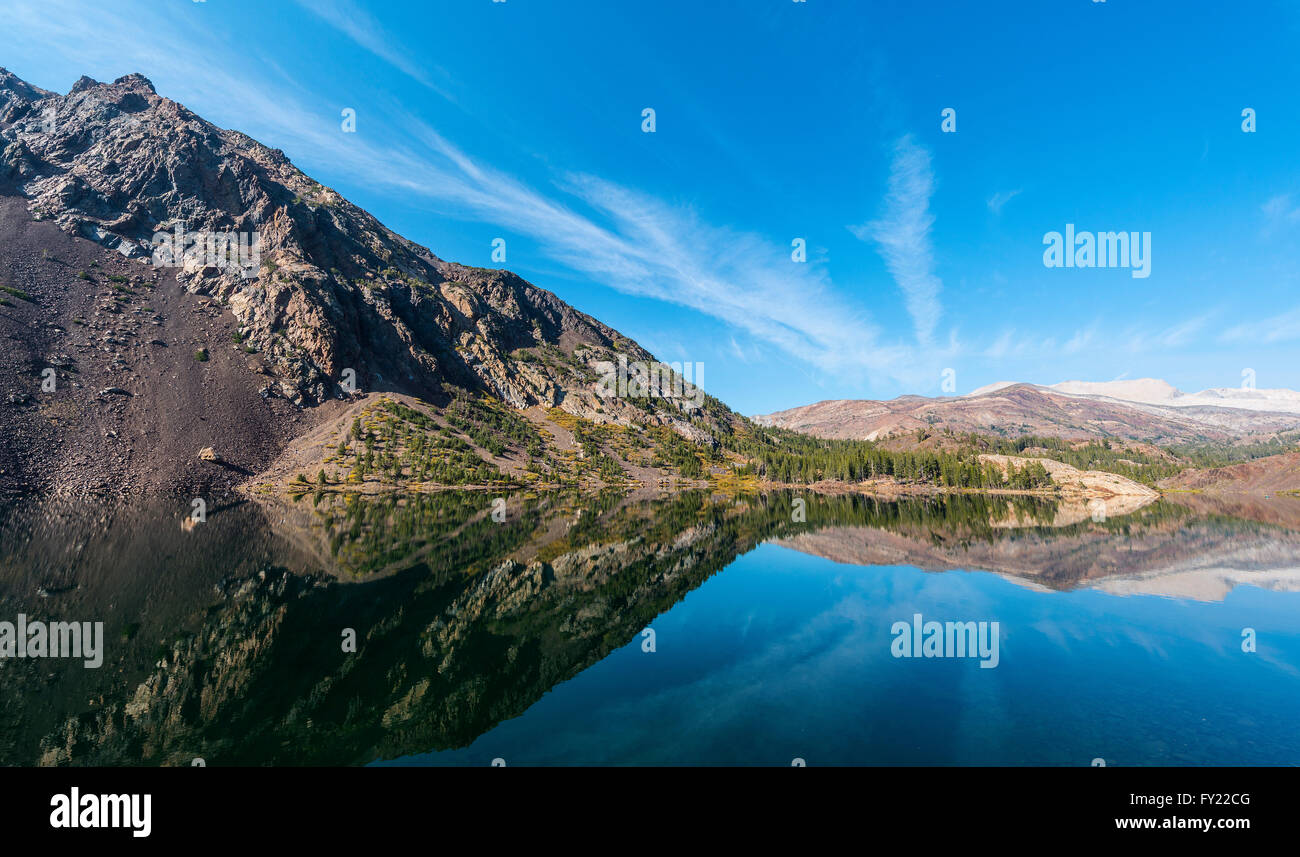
1272	474
1016	410
153	362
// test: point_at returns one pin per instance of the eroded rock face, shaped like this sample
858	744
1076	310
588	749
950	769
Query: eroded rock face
328	289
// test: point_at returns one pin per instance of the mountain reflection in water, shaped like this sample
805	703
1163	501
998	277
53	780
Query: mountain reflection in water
224	639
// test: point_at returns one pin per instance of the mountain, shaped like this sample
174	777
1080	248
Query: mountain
1153	412
1153	391
157	350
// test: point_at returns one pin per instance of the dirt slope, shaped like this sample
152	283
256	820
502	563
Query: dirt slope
1274	473
143	341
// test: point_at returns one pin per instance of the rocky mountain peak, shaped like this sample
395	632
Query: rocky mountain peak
12	85
317	285
83	83
135	80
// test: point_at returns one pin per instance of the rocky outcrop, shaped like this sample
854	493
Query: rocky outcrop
318	286
1076	483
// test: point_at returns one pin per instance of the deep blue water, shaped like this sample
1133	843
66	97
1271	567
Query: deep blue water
783	655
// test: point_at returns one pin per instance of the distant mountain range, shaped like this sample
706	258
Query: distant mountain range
1146	410
1153	391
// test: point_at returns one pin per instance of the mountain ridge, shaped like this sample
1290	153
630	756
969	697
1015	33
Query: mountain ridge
1078	411
1155	391
327	306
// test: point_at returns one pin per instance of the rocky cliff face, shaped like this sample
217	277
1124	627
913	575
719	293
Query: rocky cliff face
331	288
327	299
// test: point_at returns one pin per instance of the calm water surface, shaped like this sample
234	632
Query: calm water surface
785	655
1120	637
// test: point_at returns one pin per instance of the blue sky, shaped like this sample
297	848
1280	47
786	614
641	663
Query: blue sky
778	120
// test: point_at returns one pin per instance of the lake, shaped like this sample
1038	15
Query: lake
682	629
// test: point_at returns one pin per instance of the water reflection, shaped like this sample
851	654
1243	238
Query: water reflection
226	637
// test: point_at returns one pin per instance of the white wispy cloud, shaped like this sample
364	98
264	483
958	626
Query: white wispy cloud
637	244
1080	341
1280	212
1035	346
1282	207
361	27
643	246
1011	344
666	252
1001	198
1171	337
902	235
1284	327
